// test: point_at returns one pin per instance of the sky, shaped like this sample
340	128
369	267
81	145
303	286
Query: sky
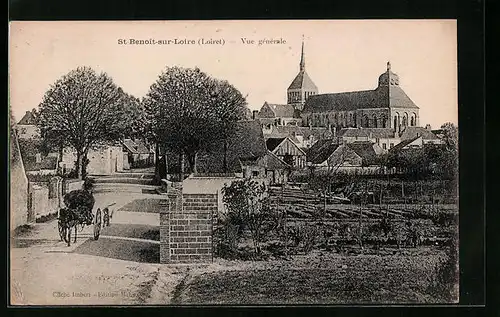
340	55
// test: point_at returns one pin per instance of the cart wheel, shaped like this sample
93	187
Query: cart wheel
68	236
105	217
97	224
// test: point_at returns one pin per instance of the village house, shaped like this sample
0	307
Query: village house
271	115
105	159
36	174
360	157
26	127
137	154
387	138
303	137
246	156
286	150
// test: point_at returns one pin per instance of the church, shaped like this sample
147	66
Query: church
386	106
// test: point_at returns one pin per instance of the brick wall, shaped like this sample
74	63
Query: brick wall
186	228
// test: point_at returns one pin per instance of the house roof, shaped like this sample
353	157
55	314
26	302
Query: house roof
27	119
303	81
280	110
321	151
245	146
273	162
366	150
273	143
382	97
136	146
413	132
402	144
382	133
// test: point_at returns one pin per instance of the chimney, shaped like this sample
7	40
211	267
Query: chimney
428	127
254	114
38	158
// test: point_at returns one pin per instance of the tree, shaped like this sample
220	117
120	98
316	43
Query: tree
189	111
84	108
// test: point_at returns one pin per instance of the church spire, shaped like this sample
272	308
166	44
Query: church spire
302	57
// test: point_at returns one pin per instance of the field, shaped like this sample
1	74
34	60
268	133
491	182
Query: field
318	278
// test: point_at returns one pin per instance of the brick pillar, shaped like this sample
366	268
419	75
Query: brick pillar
174	206
186	228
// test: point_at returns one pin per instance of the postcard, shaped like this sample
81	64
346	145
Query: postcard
270	162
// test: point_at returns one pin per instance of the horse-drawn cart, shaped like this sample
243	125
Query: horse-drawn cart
74	218
78	213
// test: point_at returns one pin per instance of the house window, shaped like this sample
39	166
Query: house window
384	146
391	145
255	173
23	130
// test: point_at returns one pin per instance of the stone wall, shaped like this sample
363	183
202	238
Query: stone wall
72	184
18	186
186	228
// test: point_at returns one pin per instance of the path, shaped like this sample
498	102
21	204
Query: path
119	268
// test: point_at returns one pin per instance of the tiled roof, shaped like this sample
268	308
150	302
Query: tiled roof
303	81
365	150
28	119
413	132
247	144
402	144
272	162
382	133
321	151
136	147
273	143
283	111
382	97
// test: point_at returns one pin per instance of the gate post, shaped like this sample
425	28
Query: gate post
173	206
186	227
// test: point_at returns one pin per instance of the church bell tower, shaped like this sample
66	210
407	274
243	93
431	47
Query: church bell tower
302	86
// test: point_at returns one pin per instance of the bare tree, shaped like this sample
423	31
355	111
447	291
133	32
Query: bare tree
82	109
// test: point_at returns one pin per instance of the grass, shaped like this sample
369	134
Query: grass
320	279
150	205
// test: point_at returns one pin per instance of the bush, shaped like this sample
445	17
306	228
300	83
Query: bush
226	237
88	183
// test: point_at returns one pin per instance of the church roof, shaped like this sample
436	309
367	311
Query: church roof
303	81
382	97
27	119
388	94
